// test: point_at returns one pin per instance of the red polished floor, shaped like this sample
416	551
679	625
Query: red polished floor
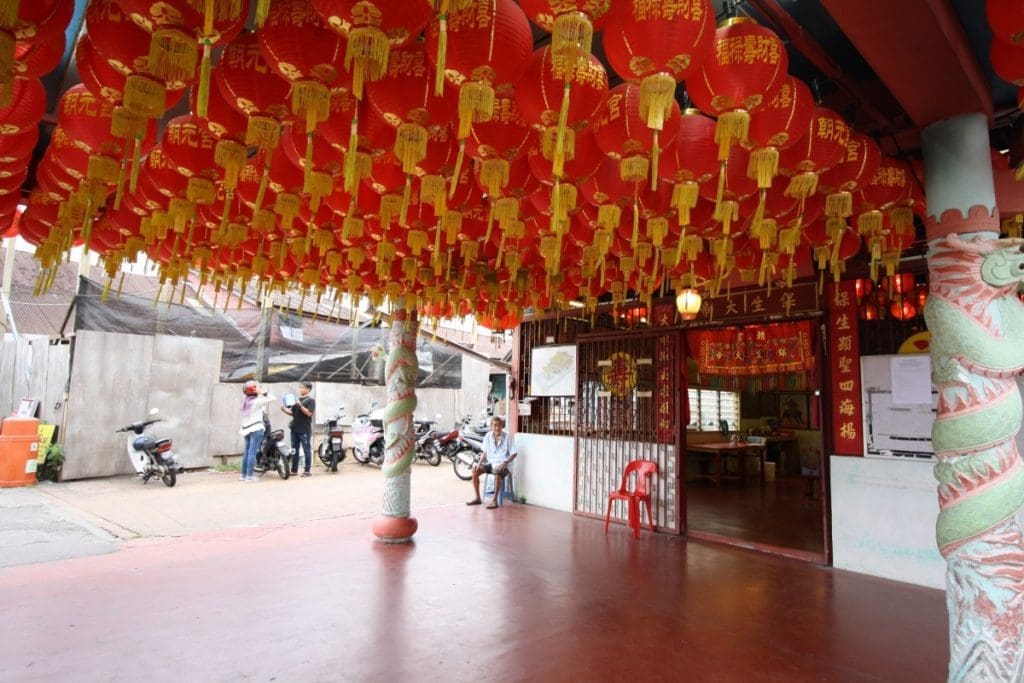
515	594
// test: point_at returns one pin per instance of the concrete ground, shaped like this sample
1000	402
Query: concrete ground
220	580
87	517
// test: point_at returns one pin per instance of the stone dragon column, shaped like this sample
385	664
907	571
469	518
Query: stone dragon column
977	348
394	525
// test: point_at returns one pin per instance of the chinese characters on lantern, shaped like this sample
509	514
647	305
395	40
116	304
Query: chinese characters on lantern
844	357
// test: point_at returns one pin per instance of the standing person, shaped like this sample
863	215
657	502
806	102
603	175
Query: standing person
253	417
302	426
499	452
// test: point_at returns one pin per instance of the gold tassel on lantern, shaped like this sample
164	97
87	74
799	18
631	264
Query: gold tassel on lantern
319	186
839	204
572	36
403	214
657	93
692	246
452	223
494	175
902	219
657	230
869	223
203	95
802	186
476	105
230	156
763	166
103	169
634	169
263	132
732	126
442	53
8	15
368	51
287	207
549	142
390	207
684	198
434	191
145	96
411	146
352	228
506	210
727	212
561	133
609	216
311	101
173	55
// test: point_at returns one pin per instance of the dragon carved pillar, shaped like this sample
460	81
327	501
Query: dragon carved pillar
977	347
400	371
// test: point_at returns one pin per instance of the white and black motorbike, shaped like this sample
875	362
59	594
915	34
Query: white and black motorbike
368	436
331	450
151	456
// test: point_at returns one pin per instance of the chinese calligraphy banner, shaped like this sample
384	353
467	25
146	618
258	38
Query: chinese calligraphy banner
754	349
844	361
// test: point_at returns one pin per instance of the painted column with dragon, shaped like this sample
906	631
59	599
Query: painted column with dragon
977	348
394	525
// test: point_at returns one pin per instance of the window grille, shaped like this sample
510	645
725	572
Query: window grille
709	406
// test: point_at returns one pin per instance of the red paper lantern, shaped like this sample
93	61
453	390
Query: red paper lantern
303	51
101	79
777	126
488	44
544	99
587	156
38	58
26	108
823	147
622	133
246	80
190	147
742	74
858	167
1006	18
370	30
405	99
1007	60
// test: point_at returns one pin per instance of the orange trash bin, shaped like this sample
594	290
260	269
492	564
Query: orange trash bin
19	426
18	460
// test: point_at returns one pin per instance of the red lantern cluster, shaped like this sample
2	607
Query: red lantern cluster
425	152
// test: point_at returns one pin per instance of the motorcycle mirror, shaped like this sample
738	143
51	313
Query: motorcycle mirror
154	411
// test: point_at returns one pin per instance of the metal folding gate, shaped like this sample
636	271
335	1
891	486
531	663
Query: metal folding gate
629	392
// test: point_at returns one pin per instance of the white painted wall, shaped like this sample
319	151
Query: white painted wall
883	520
543	470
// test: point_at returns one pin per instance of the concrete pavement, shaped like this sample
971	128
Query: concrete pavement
87	517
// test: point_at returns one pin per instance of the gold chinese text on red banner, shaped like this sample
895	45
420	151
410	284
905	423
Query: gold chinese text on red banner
844	360
755	349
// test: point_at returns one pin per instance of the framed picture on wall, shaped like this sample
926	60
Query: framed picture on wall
793	410
553	370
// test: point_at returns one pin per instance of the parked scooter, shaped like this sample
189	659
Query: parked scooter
272	454
151	456
368	436
331	450
471	448
427	447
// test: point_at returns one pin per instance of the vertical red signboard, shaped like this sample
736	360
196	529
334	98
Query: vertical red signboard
665	390
844	360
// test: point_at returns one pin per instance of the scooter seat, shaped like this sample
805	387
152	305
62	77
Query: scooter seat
142	443
277	435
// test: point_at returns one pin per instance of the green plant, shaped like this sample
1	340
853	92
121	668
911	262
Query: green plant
53	459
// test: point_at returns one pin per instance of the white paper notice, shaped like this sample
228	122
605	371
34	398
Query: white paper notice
911	380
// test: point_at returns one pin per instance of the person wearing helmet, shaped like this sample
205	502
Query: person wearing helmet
253	410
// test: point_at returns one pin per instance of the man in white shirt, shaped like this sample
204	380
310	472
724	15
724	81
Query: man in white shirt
499	452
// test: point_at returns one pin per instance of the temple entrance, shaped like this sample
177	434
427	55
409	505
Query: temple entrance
754	455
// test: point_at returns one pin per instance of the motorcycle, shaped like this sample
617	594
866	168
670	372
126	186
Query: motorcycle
272	454
151	456
470	449
368	436
331	450
427	447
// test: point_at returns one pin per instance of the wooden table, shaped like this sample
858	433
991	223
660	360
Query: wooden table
724	449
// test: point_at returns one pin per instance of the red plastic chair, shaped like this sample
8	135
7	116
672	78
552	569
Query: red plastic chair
644	470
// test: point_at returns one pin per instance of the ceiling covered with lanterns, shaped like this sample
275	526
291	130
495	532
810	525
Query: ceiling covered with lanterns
566	150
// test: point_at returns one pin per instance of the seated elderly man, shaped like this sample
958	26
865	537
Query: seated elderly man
499	452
